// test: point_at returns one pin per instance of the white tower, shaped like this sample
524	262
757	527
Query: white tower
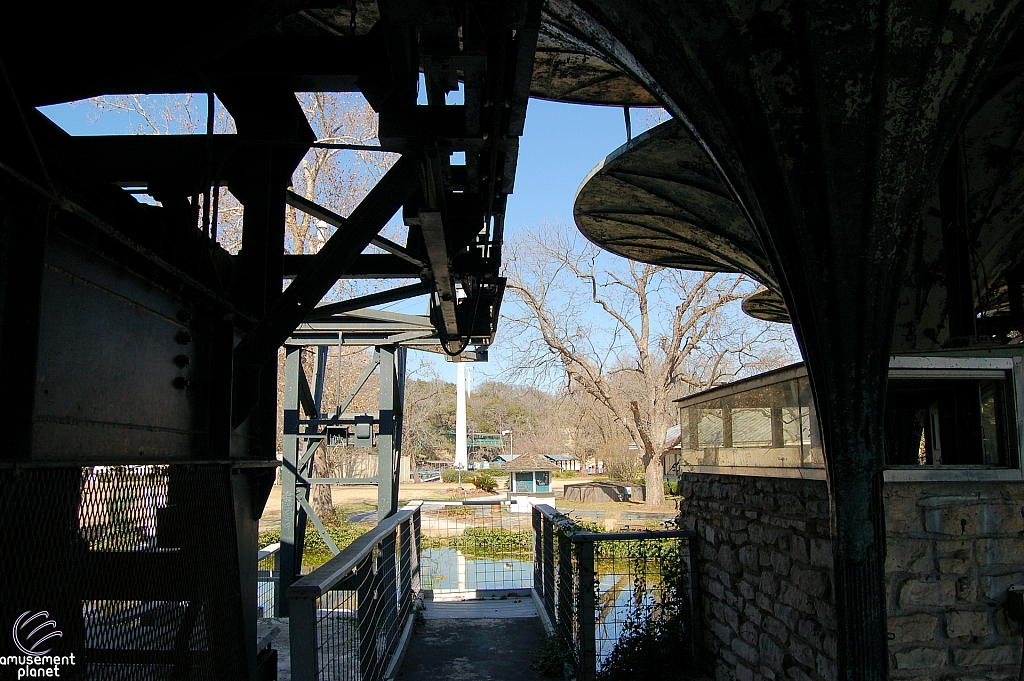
461	453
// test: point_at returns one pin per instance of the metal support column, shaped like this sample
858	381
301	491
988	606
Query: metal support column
387	438
292	532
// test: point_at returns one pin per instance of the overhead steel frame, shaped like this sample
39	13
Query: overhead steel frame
391	335
175	339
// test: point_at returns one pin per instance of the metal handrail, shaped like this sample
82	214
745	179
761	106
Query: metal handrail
324	578
374	581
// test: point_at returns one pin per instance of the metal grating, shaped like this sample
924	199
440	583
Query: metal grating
135	565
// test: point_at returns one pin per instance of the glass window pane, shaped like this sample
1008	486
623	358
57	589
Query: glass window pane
709	428
751	427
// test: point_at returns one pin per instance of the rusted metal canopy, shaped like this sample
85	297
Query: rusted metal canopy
659	199
568	69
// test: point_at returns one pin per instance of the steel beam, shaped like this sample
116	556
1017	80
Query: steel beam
309	287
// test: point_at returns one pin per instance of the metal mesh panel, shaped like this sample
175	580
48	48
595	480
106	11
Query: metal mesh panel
351	623
136	566
267	580
618	601
467	547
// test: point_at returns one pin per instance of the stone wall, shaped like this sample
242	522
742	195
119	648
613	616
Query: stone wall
953	549
766	583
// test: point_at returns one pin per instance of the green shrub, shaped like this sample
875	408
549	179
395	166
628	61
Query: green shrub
566	474
485	482
551	658
316	551
672	488
449	475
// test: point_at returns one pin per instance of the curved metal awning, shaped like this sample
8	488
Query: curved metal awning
659	199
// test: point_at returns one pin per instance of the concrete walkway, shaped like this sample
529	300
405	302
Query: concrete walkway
485	640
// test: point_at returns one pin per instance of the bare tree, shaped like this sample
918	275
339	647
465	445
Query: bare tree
632	336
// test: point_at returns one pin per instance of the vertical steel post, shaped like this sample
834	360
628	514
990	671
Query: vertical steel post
366	593
303	639
548	566
586	612
400	357
406	546
387	500
417	547
538	553
290	553
692	575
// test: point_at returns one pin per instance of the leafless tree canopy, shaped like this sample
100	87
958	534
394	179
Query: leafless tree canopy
630	336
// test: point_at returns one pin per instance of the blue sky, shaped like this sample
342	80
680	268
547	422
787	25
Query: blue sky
561	144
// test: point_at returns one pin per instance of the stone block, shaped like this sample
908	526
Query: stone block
744	650
813	582
808	630
996	655
748	632
952	520
1001	551
966	589
763	601
826	666
902	515
781	562
763	534
772	654
957	548
798	674
792	596
745	588
967	623
906	554
776	628
753	615
1005	519
731	617
993	587
821	553
716	589
744	673
722	631
825	611
769	584
727	559
788	616
955	566
749	557
798	549
802	652
922	658
919	628
926	593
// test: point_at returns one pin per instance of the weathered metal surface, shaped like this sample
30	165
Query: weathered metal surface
659	199
767	305
828	124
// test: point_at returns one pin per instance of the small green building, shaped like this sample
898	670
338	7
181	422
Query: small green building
530	481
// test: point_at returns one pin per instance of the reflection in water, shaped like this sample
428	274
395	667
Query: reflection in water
447	569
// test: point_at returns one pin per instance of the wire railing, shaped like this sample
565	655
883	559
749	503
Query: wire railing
475	545
620	603
349	617
267	580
